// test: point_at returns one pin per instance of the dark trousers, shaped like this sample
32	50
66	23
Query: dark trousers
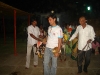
83	55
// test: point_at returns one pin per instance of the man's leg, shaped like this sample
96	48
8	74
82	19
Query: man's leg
54	65
87	60
80	60
46	61
29	48
35	57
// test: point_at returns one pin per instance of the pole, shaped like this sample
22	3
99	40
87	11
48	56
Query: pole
28	20
15	52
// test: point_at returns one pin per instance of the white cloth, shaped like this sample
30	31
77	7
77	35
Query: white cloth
54	32
83	36
28	57
35	31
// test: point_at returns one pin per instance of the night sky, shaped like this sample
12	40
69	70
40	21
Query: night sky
44	6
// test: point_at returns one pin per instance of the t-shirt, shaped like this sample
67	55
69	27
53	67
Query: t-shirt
54	32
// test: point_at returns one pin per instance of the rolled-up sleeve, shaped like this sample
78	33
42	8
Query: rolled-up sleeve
60	33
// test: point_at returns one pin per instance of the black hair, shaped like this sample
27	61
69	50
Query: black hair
82	17
52	15
33	19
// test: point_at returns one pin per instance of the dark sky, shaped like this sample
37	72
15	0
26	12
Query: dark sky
48	5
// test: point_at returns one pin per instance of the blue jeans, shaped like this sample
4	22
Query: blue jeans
48	55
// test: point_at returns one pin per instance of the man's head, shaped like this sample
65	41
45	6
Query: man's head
52	19
82	20
34	22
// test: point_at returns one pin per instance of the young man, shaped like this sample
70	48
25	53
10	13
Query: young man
86	35
33	37
54	40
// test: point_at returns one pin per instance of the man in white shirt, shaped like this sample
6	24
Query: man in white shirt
54	40
33	37
85	35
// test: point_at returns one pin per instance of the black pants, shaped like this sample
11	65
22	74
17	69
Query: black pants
83	55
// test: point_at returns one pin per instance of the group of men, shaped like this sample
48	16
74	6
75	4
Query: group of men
85	34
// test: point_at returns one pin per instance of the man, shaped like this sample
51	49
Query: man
86	35
33	37
54	40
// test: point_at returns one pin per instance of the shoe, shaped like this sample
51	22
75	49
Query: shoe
35	65
26	68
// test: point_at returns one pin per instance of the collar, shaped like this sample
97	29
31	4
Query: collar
33	26
54	26
85	26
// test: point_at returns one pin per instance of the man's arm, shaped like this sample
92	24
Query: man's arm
35	37
92	35
59	44
60	36
74	35
59	47
29	30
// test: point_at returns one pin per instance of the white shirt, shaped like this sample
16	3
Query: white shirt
83	36
54	32
35	31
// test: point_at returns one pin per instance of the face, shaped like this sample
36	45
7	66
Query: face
51	21
34	23
82	21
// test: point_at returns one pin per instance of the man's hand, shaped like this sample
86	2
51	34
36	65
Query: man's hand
39	39
56	52
40	36
89	41
35	37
